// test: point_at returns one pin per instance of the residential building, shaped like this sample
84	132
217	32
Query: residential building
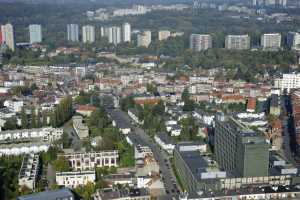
287	82
163	35
200	42
13	105
116	35
23	147
75	179
85	110
237	42
89	161
35	33
144	39
73	32
8	36
60	194
240	149
88	34
204	178
274	108
133	114
43	134
29	171
126	32
271	41
122	194
165	142
119	121
80	128
293	40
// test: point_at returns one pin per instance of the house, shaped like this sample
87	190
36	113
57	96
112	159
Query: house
165	142
133	114
90	160
251	104
85	110
119	121
74	179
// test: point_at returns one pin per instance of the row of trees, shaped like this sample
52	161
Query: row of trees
62	112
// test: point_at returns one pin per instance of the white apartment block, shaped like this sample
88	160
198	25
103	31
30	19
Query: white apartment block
199	42
287	82
88	161
144	39
238	42
48	134
163	35
75	179
23	148
126	32
15	106
29	171
271	41
8	36
88	34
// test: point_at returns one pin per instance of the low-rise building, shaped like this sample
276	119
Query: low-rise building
165	142
60	194
44	134
133	114
85	110
80	128
122	194
75	179
29	171
88	161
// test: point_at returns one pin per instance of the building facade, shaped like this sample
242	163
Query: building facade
35	33
144	39
287	82
163	35
73	32
271	41
293	41
8	36
239	149
88	161
75	179
88	34
126	32
29	171
200	42
237	42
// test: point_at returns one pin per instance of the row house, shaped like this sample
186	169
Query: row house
91	160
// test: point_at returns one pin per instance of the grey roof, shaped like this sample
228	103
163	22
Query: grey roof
195	162
118	117
165	138
49	195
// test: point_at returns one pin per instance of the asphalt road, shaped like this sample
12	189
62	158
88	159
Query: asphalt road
138	136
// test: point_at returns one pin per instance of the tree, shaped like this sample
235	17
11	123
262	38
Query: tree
159	109
33	119
10	124
151	88
61	164
86	191
24	119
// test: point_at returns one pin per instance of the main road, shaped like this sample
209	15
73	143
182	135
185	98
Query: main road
138	136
